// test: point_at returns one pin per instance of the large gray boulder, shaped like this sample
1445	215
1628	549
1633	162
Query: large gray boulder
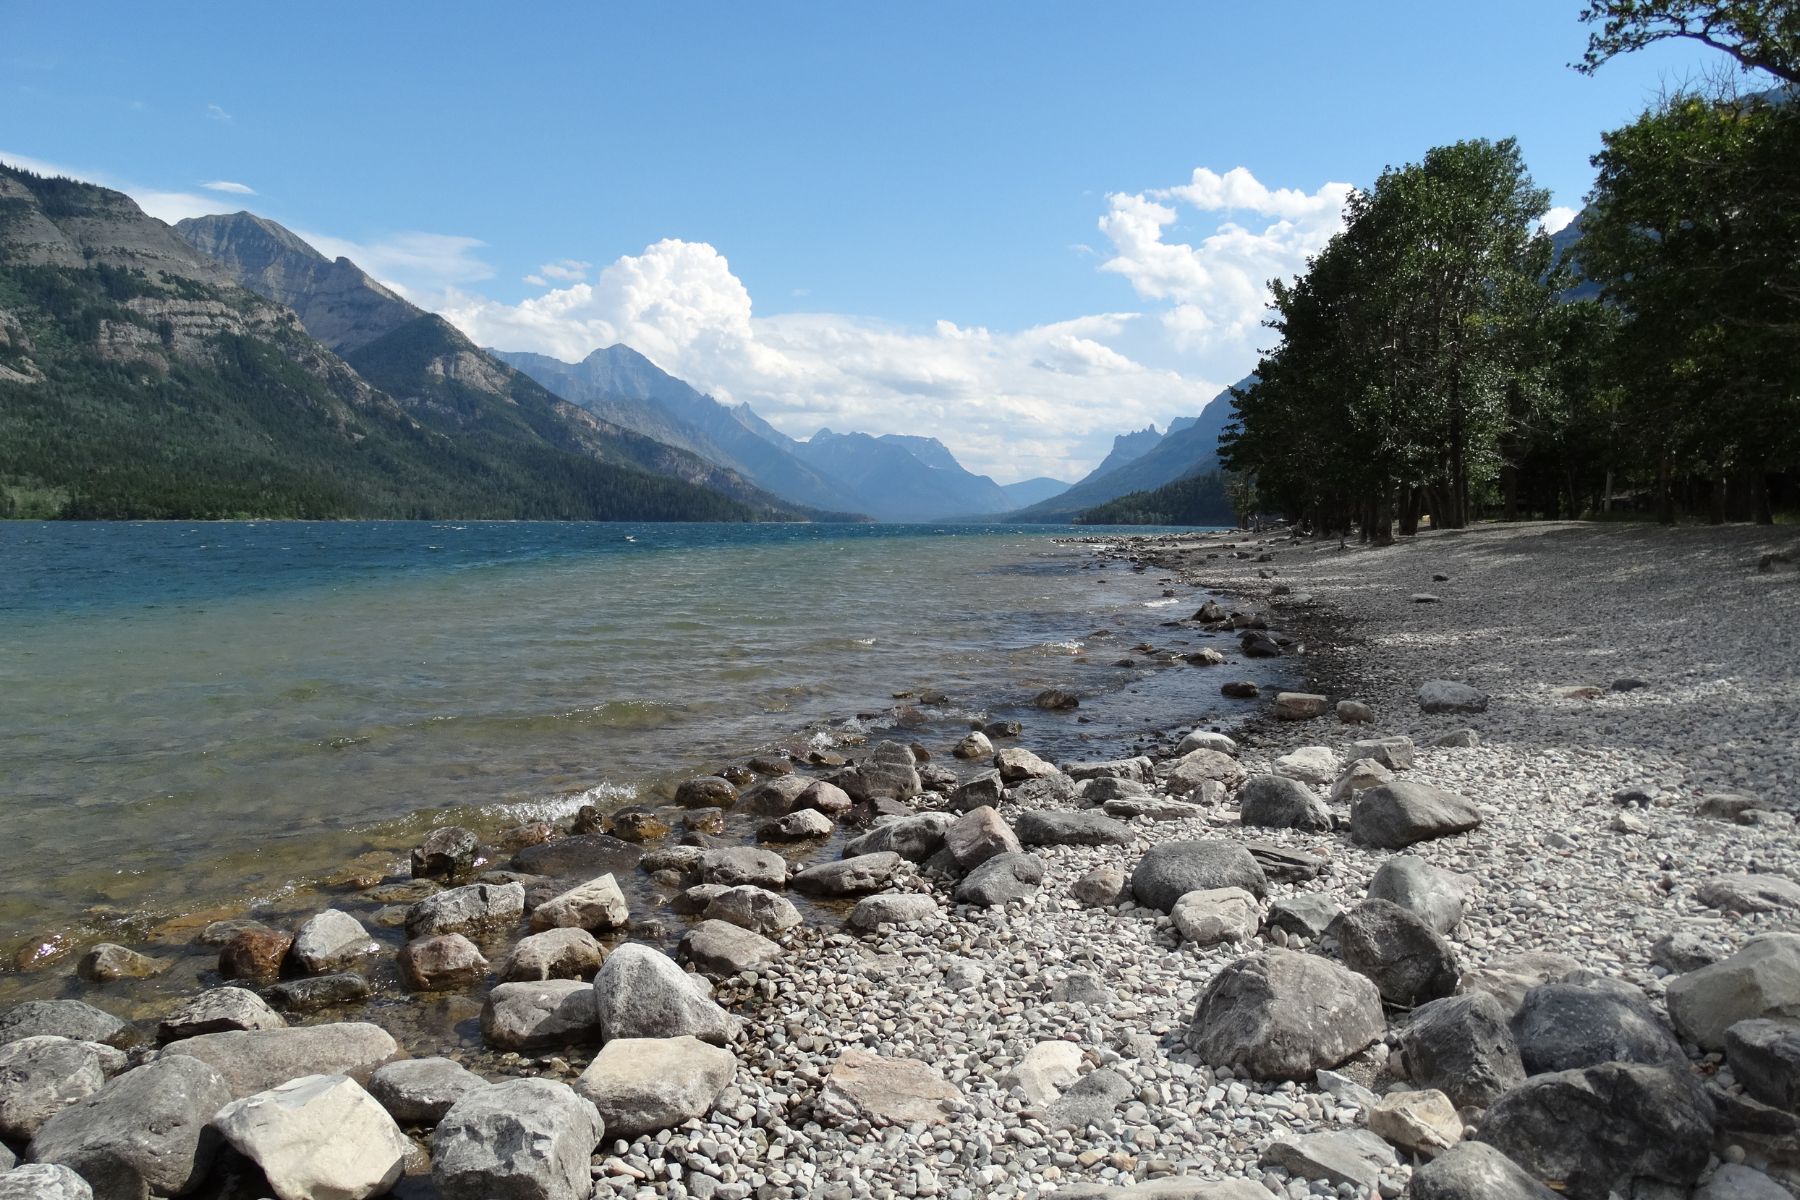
553	954
1600	1130
1564	1026
1475	1171
1277	802
41	1076
1282	1014
42	1181
904	909
1171	870
1048	827
1395	815
1765	1057
1200	771
753	908
146	1131
330	941
216	1011
256	1060
525	1139
70	1019
475	910
915	838
640	992
1431	893
1762	980
544	1015
1745	893
1217	915
889	771
641	1085
721	948
856	876
1001	880
597	906
1464	1047
978	835
321	1137
419	1091
1409	961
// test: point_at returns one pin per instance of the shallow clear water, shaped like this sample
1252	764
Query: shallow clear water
194	715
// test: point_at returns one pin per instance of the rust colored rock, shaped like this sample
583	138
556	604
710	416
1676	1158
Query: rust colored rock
254	954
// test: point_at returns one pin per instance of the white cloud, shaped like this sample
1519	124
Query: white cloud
1558	218
568	270
214	112
229	187
164	206
419	266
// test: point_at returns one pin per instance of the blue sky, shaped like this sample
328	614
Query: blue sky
960	219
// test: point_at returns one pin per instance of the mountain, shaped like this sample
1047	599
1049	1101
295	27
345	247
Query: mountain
1033	491
900	478
1126	447
1195	500
1190	448
138	379
621	386
432	369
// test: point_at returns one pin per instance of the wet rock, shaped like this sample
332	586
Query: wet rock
447	853
251	1061
708	791
1001	880
109	962
144	1132
1424	1123
1508	979
825	797
1396	815
1216	915
1240	689
1600	1130
1447	696
1300	706
40	1181
474	910
553	954
1432	894
70	1019
254	954
1277	802
641	993
597	905
900	909
974	746
722	948
851	876
1048	827
1464	1047
318	991
41	1076
1750	893
216	1011
318	1138
1475	1171
915	837
641	1085
586	856
1762	980
544	1015
977	836
1101	887
890	1091
775	797
1056	700
441	963
419	1091
735	866
330	941
1563	1027
1017	764
1282	1014
636	823
1171	870
753	908
1409	960
1348	1157
1258	643
800	826
890	771
1091	1100
1310	914
525	1139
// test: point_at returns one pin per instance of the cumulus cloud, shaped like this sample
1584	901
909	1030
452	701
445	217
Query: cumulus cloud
229	187
1558	218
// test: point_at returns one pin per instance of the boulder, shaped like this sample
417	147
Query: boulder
1300	706
722	948
1044	1071
1432	894
753	908
597	905
41	1076
974	745
1081	987
419	1091
446	853
442	963
1096	792
553	954
1750	893
1596	1131
1282	1014
255	1060
1191	770
900	909
1056	699
1765	1057
1101	887
217	1010
1361	775
1734	1181
885	1091
1155	808
780	796
1464	1047
706	791
1424	1123
1091	1100
1564	1026
1355	712
40	1181
1762	980
1395	815
641	1085
1277	802
735	866
1409	960
1051	827
890	771
1475	1171
1216	915
802	825
1394	752
849	877
109	962
584	856
1461	739
1309	914
70	1019
1169	871
1680	952
985	788
1447	696
977	836
473	910
1240	689
1341	1157
915	837
636	823
524	1139
1259	643
1309	764
1508	979
823	796
145	1132
1002	879
544	1015
318	991
1206	739
1138	770
641	993
1017	764
320	1137
329	942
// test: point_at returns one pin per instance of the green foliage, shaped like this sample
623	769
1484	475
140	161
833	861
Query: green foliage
1197	500
1759	34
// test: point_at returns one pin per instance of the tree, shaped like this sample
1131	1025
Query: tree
1761	35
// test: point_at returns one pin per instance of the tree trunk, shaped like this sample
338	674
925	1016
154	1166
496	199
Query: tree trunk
1665	493
1715	503
1509	489
1765	509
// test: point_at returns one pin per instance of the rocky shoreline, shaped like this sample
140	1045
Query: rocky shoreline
1507	897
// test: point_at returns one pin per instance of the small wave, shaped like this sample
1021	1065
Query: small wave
557	808
864	641
1069	647
1166	602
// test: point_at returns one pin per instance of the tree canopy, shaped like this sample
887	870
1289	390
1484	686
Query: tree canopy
1761	35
